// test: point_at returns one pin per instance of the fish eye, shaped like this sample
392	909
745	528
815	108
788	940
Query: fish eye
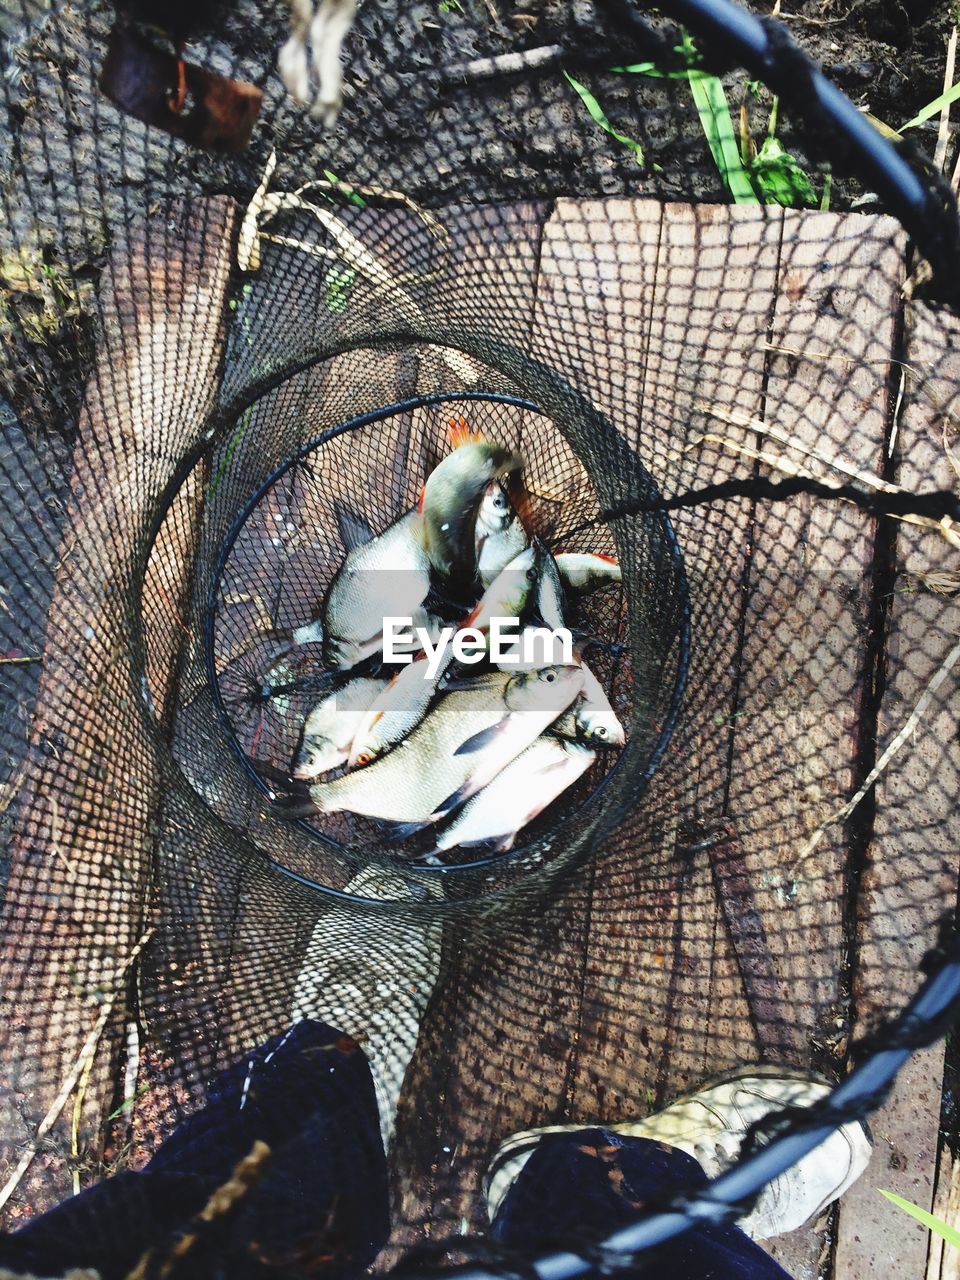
364	758
550	676
600	731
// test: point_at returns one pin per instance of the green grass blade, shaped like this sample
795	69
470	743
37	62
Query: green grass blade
345	189
229	452
936	1225
717	124
595	109
933	108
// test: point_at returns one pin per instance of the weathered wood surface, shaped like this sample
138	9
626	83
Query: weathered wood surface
80	854
691	302
910	877
696	945
805	656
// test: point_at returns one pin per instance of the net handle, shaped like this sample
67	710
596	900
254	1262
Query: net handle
923	203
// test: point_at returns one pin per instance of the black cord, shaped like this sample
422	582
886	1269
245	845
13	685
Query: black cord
936	504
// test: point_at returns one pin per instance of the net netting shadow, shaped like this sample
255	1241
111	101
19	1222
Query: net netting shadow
207	354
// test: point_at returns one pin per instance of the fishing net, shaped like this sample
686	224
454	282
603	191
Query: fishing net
209	344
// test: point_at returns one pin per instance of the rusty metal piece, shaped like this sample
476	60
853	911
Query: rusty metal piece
218	115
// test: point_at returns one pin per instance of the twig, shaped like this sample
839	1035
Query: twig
895	427
505	64
353	252
943	134
912	721
17	662
946	527
79	1069
433	225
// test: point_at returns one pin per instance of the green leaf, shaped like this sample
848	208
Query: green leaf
350	195
715	120
229	452
827	188
936	1225
336	288
649	69
595	109
779	177
933	108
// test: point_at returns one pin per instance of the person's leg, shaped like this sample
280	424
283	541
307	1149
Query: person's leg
583	1185
286	1151
562	1180
286	1159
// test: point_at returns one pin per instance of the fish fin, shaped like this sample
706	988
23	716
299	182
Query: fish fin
505	843
461	684
394	832
355	530
460	432
454	800
285	781
479	741
290	806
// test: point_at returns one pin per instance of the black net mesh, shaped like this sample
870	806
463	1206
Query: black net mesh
197	369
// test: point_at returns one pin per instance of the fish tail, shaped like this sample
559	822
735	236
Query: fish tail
459	432
394	832
290	806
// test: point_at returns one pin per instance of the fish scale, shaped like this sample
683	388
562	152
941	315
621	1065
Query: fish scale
413	784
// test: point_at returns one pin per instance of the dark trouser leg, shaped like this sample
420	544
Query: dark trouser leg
591	1182
316	1197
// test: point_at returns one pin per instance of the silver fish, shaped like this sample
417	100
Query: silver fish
582	571
330	727
590	718
386	575
469	737
397	710
450	501
518	794
508	593
499	534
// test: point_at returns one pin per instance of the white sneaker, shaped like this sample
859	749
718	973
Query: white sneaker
372	976
710	1125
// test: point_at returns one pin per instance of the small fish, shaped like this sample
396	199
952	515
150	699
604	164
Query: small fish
509	592
450	499
463	743
380	576
520	792
583	571
499	534
590	718
397	710
330	727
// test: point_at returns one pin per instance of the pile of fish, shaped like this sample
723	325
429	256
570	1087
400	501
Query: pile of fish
480	747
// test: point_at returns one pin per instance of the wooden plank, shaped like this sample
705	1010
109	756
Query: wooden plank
805	656
682	296
81	848
443	1130
910	878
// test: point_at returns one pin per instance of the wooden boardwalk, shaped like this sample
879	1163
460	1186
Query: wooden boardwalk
658	971
731	921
